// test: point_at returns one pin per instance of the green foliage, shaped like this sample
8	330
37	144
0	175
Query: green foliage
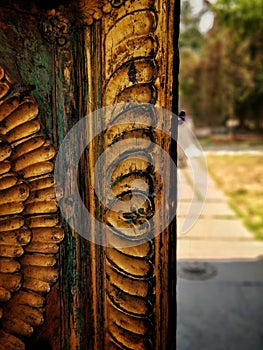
222	73
244	16
190	34
188	20
191	38
243	19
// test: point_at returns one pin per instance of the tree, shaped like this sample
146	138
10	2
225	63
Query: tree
223	77
190	44
244	16
190	34
243	19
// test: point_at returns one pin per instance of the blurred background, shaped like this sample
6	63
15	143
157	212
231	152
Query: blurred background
221	75
220	259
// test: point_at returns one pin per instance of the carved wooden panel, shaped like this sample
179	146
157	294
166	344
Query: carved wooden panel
135	291
86	55
29	223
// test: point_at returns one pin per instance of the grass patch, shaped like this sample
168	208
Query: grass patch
241	178
215	140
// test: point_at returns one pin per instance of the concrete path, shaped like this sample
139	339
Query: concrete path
220	276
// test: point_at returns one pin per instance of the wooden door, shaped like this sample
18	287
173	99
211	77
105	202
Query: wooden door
75	58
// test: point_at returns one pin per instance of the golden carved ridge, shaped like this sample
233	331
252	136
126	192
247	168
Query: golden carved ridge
130	72
29	224
130	270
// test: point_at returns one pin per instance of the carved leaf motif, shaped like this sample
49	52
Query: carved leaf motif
29	224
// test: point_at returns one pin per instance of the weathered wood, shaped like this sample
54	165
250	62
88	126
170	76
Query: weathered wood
81	56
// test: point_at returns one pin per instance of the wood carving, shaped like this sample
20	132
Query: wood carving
29	224
97	53
131	70
129	300
75	15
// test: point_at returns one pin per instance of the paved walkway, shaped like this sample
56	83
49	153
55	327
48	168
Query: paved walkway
220	276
